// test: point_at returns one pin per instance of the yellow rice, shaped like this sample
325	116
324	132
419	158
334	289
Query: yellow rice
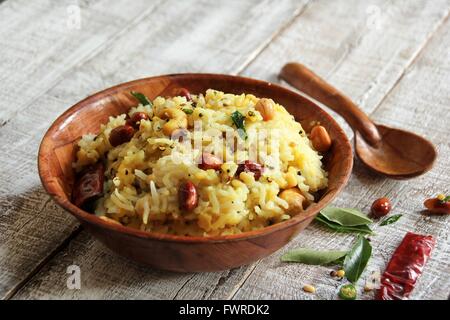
142	176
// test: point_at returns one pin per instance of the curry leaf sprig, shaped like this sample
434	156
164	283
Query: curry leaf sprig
345	220
354	261
238	120
142	98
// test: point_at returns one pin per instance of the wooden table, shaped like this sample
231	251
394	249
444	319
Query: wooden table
391	57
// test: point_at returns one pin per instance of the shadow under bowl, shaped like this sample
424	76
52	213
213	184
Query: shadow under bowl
181	253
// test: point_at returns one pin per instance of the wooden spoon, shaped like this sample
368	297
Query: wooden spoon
392	152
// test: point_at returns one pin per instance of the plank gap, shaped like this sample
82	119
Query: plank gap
64	244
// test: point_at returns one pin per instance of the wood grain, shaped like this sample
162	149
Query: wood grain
333	38
52	44
420	90
170	33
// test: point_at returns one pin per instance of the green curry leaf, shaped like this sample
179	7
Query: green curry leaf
390	220
238	120
345	216
362	229
314	257
142	98
356	260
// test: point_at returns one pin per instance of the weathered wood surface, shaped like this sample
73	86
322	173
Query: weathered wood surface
379	68
173	36
43	40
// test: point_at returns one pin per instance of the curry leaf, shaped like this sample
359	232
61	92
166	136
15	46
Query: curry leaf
356	260
141	98
345	216
363	229
314	257
391	220
188	111
238	120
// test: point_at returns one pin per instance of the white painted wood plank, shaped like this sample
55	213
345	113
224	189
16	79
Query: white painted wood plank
363	51
34	56
175	36
266	281
41	40
419	102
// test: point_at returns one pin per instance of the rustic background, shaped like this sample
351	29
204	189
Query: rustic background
391	57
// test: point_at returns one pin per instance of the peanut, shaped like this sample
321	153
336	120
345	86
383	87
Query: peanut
188	196
266	108
136	118
320	139
210	161
250	166
183	92
121	134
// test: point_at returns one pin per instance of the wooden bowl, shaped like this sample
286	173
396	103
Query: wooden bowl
180	253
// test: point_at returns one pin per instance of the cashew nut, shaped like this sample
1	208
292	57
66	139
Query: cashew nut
294	199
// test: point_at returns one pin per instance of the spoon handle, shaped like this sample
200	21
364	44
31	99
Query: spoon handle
308	82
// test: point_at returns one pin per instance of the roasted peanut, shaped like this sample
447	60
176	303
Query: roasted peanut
437	206
249	166
380	207
188	196
266	108
320	139
136	118
183	92
179	134
294	199
178	120
120	135
210	161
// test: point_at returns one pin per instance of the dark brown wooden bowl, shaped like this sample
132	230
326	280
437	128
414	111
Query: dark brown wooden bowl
180	253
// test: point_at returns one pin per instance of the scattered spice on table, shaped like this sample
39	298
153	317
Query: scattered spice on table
438	205
348	292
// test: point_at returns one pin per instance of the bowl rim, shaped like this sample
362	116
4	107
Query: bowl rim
48	181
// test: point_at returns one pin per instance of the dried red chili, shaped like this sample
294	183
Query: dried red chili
405	267
88	185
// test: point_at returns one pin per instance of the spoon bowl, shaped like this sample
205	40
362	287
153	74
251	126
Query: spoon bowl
400	155
394	153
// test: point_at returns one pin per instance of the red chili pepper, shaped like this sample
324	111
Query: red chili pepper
405	267
88	185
